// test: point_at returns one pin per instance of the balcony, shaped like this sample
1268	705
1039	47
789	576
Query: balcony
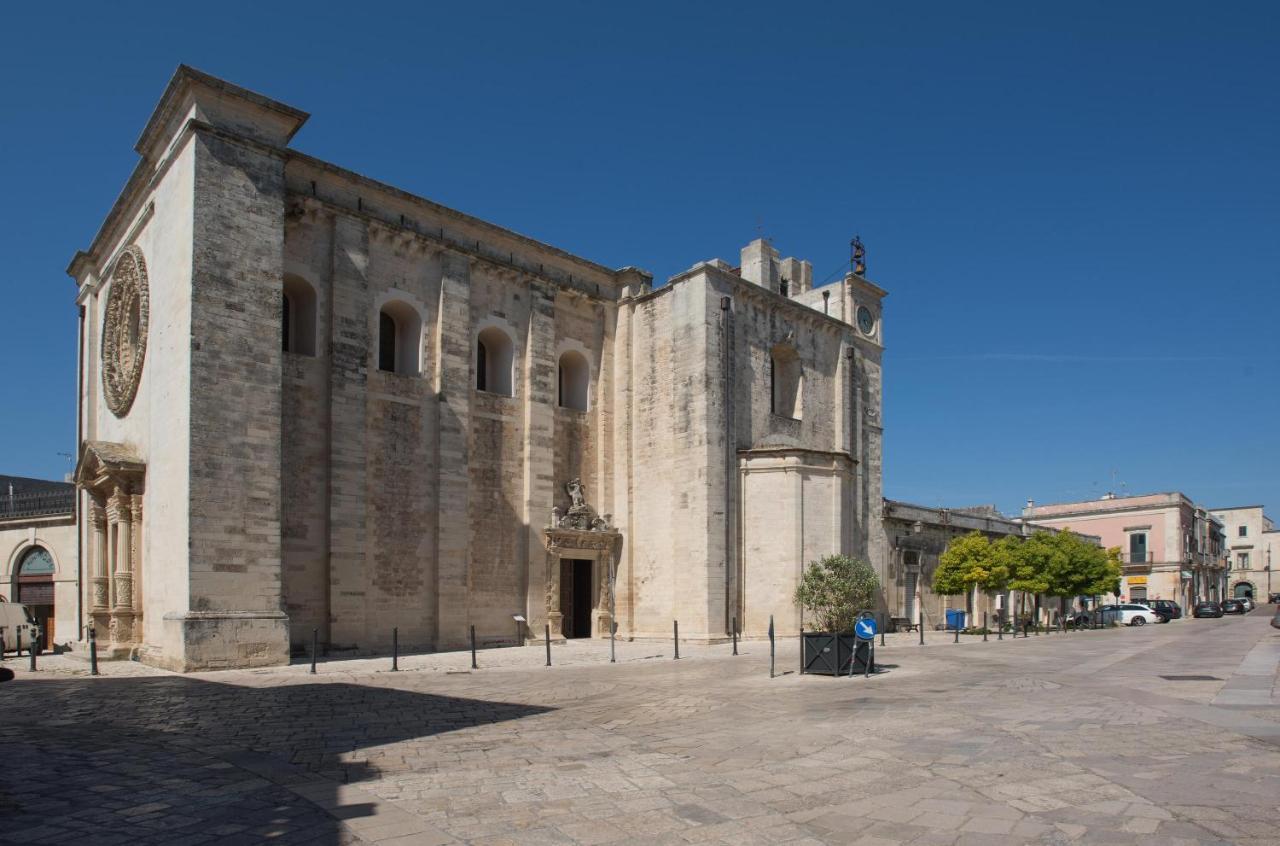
1136	562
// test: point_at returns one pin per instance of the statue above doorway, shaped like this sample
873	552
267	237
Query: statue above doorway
580	515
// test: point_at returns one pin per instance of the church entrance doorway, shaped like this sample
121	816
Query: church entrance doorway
35	590
576	593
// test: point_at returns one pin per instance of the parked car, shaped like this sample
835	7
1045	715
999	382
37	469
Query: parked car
1232	606
1206	609
1274	599
16	618
1167	607
1137	615
1247	602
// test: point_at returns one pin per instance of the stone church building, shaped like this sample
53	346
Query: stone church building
310	400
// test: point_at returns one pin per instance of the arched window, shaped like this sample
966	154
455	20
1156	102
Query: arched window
36	562
574	380
494	360
786	380
399	339
298	317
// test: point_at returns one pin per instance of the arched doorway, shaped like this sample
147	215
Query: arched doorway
34	589
1242	589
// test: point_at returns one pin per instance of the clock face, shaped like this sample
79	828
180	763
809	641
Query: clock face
866	320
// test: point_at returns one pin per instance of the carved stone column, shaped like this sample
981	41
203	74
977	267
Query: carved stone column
554	615
135	561
99	593
121	512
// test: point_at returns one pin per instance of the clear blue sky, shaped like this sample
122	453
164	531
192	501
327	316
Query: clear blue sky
1075	209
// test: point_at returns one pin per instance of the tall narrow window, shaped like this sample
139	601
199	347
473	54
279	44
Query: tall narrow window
495	358
386	343
285	329
786	381
399	339
574	381
298	316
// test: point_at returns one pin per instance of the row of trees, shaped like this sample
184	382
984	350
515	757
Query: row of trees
1057	564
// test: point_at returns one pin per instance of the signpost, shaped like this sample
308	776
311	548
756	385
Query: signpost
864	631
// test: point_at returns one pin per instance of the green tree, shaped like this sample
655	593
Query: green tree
971	561
834	589
1031	565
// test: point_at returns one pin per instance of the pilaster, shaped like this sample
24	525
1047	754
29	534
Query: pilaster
455	384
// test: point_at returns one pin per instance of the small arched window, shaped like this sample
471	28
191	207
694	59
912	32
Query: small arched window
298	317
574	382
786	381
494	360
399	339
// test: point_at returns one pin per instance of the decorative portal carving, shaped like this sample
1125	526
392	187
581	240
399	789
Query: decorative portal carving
580	517
124	331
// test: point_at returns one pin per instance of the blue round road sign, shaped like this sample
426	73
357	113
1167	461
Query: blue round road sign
865	628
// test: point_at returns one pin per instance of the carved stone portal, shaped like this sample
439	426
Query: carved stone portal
580	534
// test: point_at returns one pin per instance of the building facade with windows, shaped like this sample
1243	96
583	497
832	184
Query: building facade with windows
1171	547
38	555
1253	547
313	401
917	537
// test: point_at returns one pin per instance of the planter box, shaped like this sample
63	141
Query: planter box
827	654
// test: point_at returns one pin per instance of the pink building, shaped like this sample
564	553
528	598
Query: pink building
1171	547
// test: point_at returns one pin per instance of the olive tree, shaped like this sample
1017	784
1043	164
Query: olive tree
834	589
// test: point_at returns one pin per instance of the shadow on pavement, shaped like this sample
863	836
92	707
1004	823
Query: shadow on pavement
179	760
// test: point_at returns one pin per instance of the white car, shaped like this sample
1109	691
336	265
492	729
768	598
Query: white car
1249	604
1137	615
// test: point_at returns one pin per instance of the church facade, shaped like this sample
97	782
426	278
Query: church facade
312	401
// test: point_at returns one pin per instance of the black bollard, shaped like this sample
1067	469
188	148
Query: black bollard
771	647
920	628
315	641
34	650
17	652
473	648
548	644
93	652
884	624
1000	626
801	648
957	631
735	635
984	626
395	649
675	628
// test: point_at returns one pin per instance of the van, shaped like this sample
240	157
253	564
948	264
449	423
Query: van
15	617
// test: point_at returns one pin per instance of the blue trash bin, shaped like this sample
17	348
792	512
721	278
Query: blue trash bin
955	619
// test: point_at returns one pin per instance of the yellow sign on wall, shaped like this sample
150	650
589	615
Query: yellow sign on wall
1137	580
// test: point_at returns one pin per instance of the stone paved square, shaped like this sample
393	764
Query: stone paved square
1057	739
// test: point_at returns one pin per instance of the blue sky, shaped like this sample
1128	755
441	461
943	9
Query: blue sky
1075	208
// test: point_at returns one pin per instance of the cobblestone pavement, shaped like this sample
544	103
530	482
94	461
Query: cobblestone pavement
1056	739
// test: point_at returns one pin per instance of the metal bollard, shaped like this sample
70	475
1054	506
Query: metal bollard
34	650
93	652
395	649
548	644
920	628
884	624
957	631
984	626
801	648
473	648
2	655
675	624
735	635
17	652
1000	626
315	641
771	647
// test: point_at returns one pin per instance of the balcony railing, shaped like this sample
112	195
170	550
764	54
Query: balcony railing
37	503
1137	558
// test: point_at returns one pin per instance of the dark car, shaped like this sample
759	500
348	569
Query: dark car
1233	606
1165	607
1274	599
1206	609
